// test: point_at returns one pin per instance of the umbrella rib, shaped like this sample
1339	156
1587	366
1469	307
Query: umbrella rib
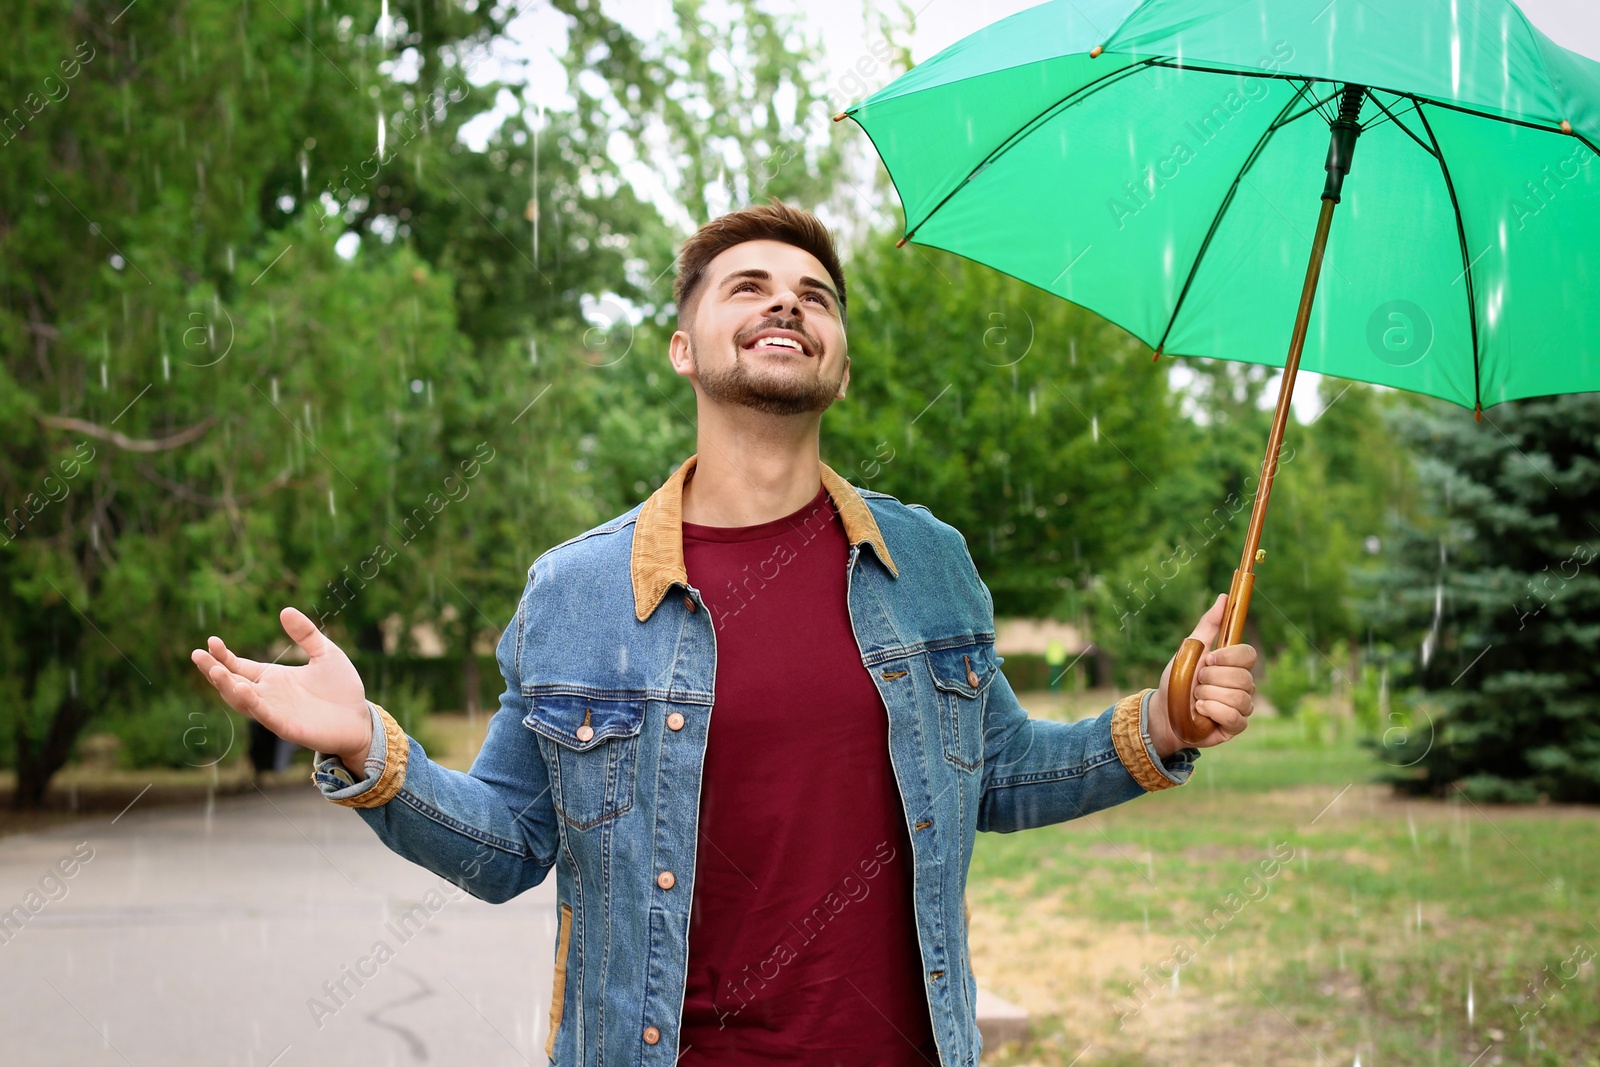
1315	105
1476	113
1395	119
1466	256
1015	137
1393	92
1227	201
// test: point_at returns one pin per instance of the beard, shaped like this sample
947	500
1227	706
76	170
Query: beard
771	394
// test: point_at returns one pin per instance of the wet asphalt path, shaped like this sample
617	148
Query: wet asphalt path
205	935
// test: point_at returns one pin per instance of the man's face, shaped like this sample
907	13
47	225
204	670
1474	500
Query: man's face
765	332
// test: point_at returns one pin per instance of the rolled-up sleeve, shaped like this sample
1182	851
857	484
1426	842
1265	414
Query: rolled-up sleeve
383	776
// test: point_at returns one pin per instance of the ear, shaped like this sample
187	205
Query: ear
678	353
844	381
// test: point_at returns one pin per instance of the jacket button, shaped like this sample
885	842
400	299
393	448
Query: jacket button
675	721
972	679
688	602
651	1035
666	880
585	733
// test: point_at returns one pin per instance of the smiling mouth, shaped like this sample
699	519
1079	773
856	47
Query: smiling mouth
775	344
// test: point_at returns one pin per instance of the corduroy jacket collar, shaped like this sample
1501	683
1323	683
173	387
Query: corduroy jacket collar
658	535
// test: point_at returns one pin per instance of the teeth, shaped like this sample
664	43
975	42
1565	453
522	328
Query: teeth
786	342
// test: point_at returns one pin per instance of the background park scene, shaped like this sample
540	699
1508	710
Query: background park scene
341	306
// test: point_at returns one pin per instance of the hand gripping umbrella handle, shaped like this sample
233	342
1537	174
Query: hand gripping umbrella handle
1190	726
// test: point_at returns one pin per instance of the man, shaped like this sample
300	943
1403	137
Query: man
753	723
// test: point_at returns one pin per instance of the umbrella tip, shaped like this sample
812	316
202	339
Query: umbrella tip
1158	353
1566	127
901	242
1477	413
841	116
1094	53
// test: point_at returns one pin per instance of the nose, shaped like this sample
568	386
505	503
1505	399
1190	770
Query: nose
786	299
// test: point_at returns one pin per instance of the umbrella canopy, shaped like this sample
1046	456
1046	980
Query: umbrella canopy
1160	163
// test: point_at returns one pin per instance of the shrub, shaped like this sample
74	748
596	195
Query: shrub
177	728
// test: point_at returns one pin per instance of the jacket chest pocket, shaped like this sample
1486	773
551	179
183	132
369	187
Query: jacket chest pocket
591	747
961	676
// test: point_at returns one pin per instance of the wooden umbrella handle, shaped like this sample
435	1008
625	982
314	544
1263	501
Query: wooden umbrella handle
1191	726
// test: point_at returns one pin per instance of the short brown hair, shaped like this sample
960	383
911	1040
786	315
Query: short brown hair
775	221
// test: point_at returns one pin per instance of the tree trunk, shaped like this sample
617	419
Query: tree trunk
38	763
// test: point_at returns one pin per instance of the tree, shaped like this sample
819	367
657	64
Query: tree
1496	590
209	412
1036	428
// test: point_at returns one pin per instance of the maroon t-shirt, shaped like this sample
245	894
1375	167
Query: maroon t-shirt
802	943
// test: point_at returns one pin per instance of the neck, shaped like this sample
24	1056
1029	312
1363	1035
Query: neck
752	467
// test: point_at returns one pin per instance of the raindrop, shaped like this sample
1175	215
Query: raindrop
166	368
117	262
103	384
1033	401
383	134
230	259
1431	642
533	351
274	390
1147	918
416	385
1175	969
72	681
430	392
1469	1001
333	511
1094	428
385	29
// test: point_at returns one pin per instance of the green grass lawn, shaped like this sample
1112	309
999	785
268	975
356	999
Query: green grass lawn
1344	922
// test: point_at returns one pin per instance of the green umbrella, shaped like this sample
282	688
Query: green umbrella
1156	162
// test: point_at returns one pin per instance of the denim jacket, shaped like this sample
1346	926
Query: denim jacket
592	765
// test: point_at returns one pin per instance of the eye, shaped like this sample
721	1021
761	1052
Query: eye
742	285
819	298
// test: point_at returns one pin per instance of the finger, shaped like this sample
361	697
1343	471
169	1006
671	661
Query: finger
1210	624
239	694
1233	656
303	632
1228	721
1239	700
246	668
1226	678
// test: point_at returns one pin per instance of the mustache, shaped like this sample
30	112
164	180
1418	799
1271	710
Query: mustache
783	324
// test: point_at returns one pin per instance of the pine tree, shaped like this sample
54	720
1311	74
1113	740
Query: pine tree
1497	597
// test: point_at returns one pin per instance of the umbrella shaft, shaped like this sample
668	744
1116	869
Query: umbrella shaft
1244	578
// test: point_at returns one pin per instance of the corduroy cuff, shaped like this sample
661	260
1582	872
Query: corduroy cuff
1130	734
385	767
